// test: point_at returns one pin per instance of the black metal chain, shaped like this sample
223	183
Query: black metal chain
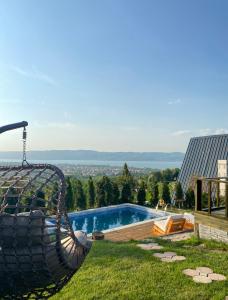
24	138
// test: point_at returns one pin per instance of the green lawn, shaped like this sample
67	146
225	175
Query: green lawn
123	271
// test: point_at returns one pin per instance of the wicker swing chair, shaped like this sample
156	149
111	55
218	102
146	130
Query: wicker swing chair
39	251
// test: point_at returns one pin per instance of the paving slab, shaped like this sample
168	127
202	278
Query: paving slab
167	259
216	277
179	257
159	255
170	254
150	246
204	271
191	272
202	279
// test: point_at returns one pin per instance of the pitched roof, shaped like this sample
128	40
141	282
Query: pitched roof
201	158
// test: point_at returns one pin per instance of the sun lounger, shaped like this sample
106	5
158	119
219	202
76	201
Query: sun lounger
173	224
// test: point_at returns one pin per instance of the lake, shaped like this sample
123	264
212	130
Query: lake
134	164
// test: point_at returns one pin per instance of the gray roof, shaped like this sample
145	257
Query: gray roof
201	158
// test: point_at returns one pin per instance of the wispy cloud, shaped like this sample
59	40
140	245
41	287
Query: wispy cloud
209	131
181	132
205	131
174	102
34	74
200	132
221	131
58	125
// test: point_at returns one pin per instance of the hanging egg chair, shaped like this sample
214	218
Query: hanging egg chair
39	251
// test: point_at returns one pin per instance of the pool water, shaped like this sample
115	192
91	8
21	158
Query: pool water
107	220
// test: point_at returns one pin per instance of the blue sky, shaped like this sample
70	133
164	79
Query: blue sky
113	75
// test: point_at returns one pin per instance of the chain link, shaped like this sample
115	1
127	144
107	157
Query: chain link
24	137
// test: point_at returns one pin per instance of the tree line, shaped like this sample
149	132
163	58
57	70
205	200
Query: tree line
126	189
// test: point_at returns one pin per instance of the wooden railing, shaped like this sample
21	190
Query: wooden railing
211	196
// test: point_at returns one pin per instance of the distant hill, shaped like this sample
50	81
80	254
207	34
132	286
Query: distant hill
94	155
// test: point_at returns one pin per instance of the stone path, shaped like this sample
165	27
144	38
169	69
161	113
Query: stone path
204	275
199	275
165	257
169	256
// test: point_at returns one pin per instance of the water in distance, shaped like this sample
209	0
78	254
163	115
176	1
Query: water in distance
133	164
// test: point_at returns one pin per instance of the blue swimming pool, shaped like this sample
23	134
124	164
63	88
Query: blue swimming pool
110	217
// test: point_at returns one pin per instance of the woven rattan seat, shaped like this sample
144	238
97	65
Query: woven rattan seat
39	251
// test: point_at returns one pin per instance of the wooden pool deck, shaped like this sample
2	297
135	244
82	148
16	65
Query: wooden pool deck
136	232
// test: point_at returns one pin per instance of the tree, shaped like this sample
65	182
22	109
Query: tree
164	192
12	199
40	202
176	172
100	194
127	185
157	176
69	199
178	191
153	190
141	194
126	193
90	193
126	173
190	198
79	195
167	175
116	193
108	189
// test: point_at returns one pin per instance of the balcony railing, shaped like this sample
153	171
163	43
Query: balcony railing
211	196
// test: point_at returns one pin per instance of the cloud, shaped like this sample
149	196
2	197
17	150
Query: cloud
58	125
221	131
181	132
201	132
175	102
205	131
209	131
34	74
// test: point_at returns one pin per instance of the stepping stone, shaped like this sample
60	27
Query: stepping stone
217	277
191	272
179	258
173	258
204	271
159	255
170	254
167	259
202	279
150	246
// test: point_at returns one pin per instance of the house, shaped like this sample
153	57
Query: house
205	170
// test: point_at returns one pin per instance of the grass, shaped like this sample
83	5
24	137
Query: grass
116	271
